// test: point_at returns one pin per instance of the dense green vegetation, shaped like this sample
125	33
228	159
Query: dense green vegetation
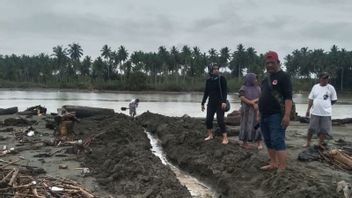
165	70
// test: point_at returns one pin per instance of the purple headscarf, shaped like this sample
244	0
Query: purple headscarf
249	89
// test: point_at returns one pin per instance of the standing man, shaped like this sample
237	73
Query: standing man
275	105
216	90
321	99
133	106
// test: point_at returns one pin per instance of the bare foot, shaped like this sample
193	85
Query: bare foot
245	145
268	167
210	137
225	141
280	171
306	145
260	147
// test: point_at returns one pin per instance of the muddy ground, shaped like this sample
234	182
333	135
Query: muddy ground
122	164
122	161
234	171
118	156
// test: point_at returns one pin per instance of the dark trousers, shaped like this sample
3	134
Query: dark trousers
211	110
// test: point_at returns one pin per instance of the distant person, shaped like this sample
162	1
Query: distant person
133	106
216	91
275	105
249	94
321	99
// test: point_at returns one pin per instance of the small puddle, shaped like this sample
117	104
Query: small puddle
195	187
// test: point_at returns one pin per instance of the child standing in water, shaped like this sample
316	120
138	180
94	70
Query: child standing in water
249	94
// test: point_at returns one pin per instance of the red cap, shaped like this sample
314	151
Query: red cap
271	56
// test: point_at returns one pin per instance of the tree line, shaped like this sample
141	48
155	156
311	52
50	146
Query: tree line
166	69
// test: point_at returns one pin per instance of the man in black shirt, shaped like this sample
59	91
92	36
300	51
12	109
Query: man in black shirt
216	90
275	105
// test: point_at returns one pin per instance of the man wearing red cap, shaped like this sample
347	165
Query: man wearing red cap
275	105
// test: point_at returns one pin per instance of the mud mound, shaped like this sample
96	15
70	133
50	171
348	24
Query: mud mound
122	162
230	169
18	122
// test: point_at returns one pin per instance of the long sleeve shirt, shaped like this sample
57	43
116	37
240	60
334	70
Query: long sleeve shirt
212	90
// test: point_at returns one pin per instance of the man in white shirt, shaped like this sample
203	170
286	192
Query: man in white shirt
133	106
321	99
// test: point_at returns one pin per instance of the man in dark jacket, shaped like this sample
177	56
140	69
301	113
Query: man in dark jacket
275	105
216	90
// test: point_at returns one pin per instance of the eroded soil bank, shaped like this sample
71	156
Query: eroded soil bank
122	162
234	171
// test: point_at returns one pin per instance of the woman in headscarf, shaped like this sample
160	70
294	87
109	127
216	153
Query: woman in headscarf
249	94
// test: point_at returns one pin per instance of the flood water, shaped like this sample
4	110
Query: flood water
166	103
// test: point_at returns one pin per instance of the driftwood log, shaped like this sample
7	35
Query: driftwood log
233	118
17	182
334	121
341	157
35	110
83	111
8	111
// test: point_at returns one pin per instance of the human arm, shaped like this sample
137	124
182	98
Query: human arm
247	101
224	92
205	95
333	96
286	119
310	104
287	96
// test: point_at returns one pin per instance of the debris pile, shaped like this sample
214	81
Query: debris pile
18	182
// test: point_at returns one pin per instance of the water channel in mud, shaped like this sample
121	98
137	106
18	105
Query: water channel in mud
195	187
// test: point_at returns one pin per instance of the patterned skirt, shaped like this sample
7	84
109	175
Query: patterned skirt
249	132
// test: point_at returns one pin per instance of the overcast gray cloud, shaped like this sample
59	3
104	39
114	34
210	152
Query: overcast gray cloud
34	26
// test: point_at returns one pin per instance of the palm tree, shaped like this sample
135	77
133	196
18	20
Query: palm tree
121	57
213	56
106	54
61	61
164	58
75	51
186	58
137	61
224	56
239	61
198	64
175	60
98	68
86	66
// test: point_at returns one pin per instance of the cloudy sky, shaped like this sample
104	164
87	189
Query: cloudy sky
34	26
